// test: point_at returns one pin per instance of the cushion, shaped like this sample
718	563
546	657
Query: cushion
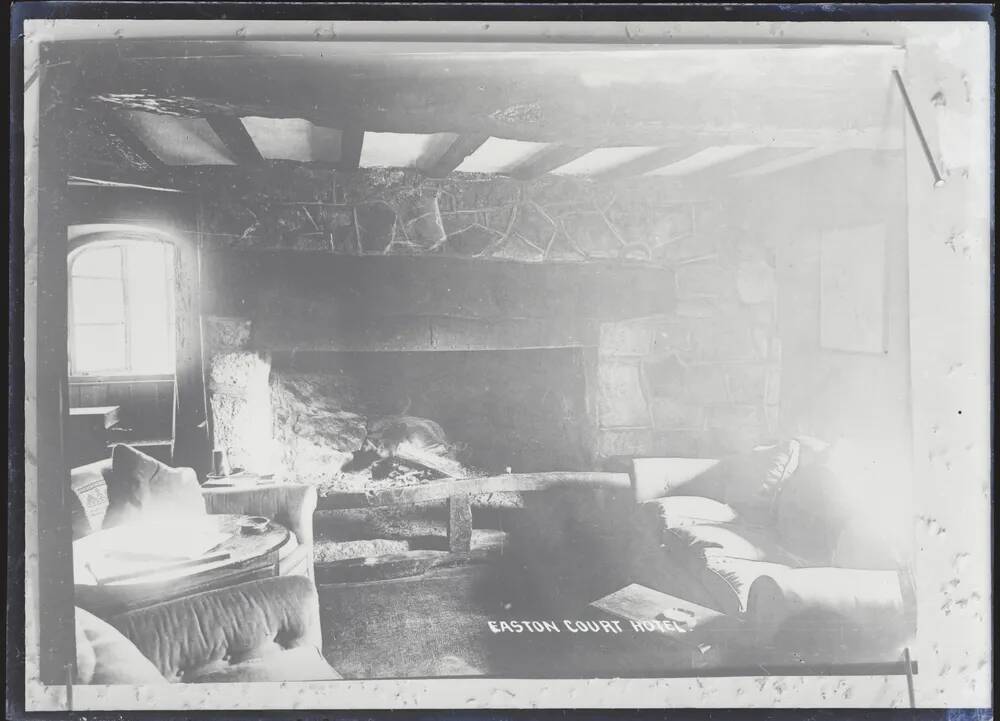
105	656
732	540
679	511
751	481
304	663
728	580
141	487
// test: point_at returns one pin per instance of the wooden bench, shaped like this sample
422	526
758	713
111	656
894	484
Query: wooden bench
457	494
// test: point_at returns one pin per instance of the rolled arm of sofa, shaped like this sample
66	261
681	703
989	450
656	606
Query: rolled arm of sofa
290	504
185	637
872	605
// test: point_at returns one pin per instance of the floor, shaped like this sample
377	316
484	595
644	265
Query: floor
439	625
432	625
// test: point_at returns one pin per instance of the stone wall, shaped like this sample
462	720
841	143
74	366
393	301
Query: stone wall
401	212
239	396
702	380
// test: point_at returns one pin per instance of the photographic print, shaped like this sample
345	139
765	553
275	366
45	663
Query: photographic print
501	364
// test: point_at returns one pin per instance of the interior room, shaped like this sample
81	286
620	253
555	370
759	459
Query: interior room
397	360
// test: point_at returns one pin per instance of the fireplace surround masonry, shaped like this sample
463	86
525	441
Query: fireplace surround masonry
669	312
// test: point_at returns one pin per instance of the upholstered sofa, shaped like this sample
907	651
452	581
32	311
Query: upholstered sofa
775	537
290	504
264	630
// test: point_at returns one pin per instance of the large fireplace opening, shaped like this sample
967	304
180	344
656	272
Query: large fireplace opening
523	410
520	365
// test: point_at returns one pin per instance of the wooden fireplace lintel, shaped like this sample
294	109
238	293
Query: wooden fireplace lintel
314	332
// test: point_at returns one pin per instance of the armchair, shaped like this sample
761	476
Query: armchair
291	505
265	630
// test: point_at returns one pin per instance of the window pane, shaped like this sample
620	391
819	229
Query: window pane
98	348
150	309
98	261
96	300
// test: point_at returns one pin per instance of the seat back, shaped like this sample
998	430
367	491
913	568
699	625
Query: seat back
185	638
658	477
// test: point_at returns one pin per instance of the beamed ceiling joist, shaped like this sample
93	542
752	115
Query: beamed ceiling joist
545	161
452	157
352	140
651	161
235	137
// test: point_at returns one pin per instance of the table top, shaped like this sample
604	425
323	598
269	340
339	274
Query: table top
240	479
239	547
108	415
92	410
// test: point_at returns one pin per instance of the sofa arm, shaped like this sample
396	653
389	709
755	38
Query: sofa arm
864	608
290	504
184	637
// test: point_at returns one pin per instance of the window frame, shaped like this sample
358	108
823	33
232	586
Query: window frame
127	373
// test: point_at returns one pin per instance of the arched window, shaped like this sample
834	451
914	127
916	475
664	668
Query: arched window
121	308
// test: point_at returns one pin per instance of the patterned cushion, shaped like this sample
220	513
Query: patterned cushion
89	500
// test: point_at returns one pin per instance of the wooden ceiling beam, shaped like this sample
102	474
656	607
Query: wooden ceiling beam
540	100
235	137
452	157
560	126
87	182
547	160
651	161
352	140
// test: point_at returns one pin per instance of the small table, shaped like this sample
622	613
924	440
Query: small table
251	556
88	432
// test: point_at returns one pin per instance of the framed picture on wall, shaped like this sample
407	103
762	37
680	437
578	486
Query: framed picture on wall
852	303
